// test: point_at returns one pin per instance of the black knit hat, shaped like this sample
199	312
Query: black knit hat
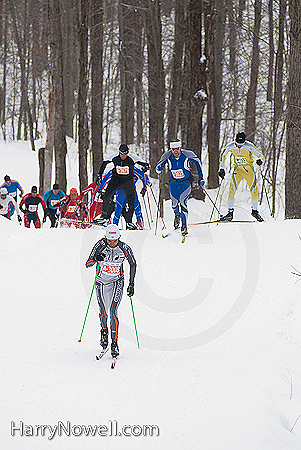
34	189
6	178
123	149
240	138
55	186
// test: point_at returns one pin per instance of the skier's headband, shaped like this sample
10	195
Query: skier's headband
175	144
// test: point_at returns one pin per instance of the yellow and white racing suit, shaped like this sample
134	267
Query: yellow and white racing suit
243	169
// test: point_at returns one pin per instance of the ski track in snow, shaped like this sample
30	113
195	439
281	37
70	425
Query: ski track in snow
235	388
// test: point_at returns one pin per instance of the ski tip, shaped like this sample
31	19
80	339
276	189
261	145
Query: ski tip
79	340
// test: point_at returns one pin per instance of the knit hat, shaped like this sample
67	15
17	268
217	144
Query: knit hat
3	191
240	138
112	232
7	178
55	186
123	149
34	189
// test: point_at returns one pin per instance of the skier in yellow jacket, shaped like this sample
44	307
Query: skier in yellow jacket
243	152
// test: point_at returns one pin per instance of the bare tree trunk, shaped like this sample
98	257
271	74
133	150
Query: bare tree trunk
197	89
271	53
250	117
176	71
293	133
83	132
214	29
278	100
156	83
97	85
60	144
48	154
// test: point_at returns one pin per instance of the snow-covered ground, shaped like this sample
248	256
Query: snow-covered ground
219	324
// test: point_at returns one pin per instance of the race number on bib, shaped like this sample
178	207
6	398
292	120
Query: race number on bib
53	202
71	209
177	174
111	269
241	160
122	170
32	208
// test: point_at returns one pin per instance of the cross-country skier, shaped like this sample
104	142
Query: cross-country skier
95	203
120	200
70	206
12	186
29	206
110	252
243	152
178	161
5	202
51	199
122	178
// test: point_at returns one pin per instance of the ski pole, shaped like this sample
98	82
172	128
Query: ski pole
211	200
97	271
146	213
215	200
158	205
266	194
149	207
134	322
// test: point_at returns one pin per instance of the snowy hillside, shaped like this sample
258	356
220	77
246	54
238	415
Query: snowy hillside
219	324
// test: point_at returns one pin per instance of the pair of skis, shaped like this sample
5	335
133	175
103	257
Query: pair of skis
102	353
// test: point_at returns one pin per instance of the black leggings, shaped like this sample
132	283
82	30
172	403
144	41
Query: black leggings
129	190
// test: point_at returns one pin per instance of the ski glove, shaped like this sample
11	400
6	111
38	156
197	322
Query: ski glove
130	290
259	162
143	191
19	218
144	166
221	173
202	182
99	257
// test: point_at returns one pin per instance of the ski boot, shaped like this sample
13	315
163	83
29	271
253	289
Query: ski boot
184	230
228	217
114	349
139	225
176	222
131	226
101	221
104	338
257	216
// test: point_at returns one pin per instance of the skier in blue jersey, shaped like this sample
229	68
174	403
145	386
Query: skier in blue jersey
12	186
178	161
121	201
52	197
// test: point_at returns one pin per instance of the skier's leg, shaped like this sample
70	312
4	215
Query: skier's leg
116	299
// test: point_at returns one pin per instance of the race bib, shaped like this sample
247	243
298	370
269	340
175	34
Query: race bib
241	160
177	174
71	209
4	210
32	208
53	202
122	170
111	269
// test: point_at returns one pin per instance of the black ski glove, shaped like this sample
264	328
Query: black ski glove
144	166
143	191
19	218
130	290
221	173
259	162
99	257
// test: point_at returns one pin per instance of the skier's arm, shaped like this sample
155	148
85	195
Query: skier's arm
163	161
96	255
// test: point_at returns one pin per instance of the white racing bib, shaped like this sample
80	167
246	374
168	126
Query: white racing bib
241	160
53	202
112	269
71	209
122	170
32	208
4	210
177	174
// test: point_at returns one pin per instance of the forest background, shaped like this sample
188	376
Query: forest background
144	72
